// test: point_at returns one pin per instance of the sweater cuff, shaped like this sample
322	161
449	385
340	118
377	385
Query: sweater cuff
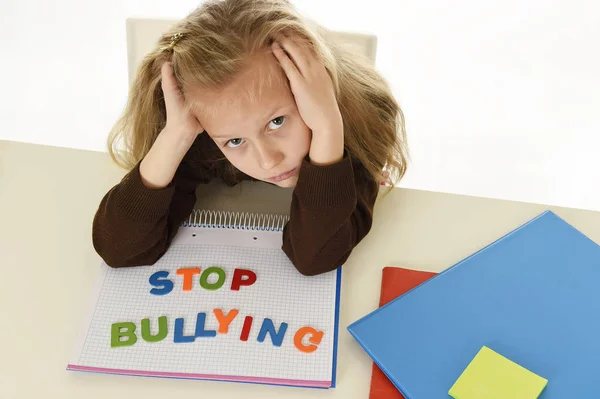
326	186
140	203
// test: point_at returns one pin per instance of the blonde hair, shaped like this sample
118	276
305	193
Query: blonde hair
210	47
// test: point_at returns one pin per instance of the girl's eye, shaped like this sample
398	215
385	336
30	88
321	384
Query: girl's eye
279	121
274	125
233	143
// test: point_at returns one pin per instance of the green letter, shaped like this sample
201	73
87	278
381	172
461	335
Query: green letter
162	330
116	334
214	286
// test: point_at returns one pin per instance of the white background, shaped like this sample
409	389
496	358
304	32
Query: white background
501	96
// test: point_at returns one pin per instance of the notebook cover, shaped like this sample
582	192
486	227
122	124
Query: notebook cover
273	381
395	281
188	235
531	295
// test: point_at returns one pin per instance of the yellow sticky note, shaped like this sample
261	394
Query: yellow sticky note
492	376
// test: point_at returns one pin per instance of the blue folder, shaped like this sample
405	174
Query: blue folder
532	296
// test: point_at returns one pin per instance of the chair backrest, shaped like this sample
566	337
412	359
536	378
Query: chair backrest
143	33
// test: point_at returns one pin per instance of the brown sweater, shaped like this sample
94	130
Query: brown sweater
331	211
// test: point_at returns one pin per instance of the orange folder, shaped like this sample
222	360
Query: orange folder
395	281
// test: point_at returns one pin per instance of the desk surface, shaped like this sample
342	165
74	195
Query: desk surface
48	197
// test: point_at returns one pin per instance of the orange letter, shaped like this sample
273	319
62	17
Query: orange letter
187	274
316	337
225	321
239	280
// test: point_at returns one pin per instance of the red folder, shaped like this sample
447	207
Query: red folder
395	281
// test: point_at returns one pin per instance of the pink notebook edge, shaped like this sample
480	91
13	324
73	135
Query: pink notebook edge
214	377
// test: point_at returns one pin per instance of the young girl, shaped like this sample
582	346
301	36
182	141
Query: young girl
249	89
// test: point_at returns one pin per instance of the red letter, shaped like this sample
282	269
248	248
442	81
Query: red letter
239	280
187	274
246	328
315	339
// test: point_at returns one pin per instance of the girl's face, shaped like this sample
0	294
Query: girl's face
264	137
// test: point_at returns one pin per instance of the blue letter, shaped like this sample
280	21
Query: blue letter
276	337
179	337
200	331
159	279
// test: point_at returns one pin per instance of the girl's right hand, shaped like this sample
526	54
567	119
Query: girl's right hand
179	120
181	130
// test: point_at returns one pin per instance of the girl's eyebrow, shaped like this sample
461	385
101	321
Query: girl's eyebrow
223	137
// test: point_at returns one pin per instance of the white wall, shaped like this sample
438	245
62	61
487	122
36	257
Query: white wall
501	96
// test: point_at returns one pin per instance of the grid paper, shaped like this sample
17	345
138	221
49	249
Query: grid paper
279	293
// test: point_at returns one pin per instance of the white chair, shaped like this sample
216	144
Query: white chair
253	197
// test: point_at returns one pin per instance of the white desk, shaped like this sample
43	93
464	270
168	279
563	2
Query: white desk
48	197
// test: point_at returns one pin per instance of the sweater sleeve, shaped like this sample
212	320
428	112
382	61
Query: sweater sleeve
134	225
331	212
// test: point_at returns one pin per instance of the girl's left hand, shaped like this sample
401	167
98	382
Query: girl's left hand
315	98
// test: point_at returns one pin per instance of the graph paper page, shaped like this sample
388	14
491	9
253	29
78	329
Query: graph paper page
279	293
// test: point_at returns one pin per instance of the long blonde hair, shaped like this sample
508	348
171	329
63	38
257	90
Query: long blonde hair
212	44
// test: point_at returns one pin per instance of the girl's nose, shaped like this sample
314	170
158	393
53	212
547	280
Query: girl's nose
269	156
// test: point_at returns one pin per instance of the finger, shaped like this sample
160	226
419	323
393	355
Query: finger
296	51
310	54
286	63
169	86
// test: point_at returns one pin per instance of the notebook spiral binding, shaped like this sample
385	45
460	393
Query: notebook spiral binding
236	220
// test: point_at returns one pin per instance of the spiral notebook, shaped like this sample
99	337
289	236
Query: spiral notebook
223	303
